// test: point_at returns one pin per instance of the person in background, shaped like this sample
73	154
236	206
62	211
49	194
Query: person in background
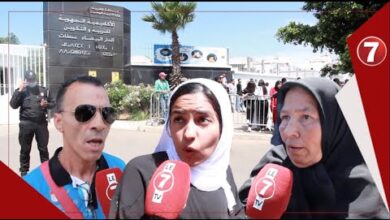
274	99
84	117
232	93
330	177
284	80
264	105
251	104
239	105
267	86
34	102
199	132
161	86
223	81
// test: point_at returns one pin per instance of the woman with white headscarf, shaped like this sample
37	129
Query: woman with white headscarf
198	132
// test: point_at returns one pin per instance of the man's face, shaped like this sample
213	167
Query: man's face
83	140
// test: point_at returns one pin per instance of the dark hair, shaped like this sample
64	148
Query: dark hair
213	56
191	88
261	84
284	80
276	85
64	87
250	86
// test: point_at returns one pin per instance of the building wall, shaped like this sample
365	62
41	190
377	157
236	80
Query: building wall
148	74
85	38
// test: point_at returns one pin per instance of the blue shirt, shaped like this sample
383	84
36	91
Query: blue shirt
62	178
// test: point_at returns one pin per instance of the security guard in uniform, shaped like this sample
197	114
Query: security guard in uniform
34	101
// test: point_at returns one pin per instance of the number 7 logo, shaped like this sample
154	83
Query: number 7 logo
371	51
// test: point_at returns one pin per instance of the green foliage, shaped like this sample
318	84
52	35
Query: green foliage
336	21
130	99
12	39
117	91
171	17
138	98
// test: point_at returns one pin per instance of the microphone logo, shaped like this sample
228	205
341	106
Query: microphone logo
112	184
163	182
265	188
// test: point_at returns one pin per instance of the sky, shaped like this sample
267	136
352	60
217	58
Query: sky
245	28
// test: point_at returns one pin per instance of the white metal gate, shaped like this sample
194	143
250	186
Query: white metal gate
14	61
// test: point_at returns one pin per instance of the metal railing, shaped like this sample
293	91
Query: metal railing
156	110
252	112
15	60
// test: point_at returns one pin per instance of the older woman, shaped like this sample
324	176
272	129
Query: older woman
331	179
199	133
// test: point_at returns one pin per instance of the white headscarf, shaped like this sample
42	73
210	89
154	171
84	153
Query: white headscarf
209	175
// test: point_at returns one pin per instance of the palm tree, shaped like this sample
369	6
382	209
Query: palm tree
171	17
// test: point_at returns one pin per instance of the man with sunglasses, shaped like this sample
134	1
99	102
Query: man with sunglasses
84	117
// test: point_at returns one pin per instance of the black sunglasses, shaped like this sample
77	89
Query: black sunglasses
84	113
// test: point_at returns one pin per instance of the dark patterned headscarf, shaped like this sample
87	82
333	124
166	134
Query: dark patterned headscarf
338	186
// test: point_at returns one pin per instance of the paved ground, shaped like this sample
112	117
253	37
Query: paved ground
130	139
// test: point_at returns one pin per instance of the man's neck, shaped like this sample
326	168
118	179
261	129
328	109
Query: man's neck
76	166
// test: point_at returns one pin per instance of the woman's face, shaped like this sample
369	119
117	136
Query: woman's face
300	128
194	127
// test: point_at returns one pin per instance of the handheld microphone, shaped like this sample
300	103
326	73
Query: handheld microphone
270	192
168	190
106	182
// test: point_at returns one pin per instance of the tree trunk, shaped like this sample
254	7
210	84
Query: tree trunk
176	75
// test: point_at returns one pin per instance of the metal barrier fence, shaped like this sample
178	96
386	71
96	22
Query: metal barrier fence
252	111
15	60
156	109
249	111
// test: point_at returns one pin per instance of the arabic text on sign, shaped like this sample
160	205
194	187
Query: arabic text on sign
76	45
67	36
108	54
74	52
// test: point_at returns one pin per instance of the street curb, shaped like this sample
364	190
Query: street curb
140	126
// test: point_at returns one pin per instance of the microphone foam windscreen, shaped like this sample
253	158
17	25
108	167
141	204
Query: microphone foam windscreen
106	182
270	192
168	190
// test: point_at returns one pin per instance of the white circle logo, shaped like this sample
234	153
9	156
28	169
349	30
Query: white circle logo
371	51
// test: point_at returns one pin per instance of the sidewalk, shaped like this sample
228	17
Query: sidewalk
128	139
142	126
